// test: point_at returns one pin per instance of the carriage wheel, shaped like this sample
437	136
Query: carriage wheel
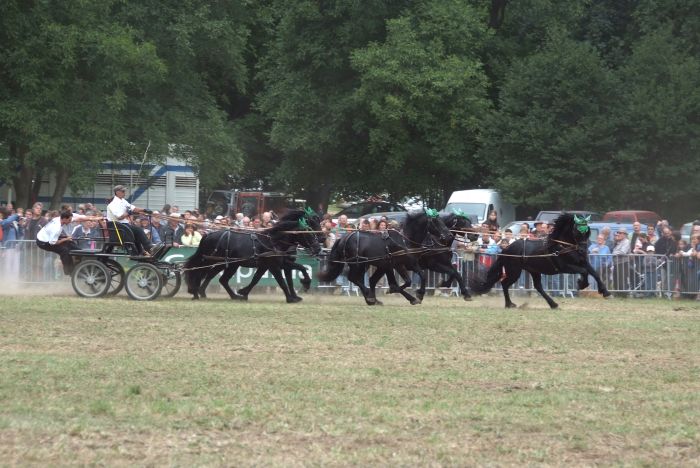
117	282
144	282
171	283
90	278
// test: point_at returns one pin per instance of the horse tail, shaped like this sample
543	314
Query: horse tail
480	285
334	266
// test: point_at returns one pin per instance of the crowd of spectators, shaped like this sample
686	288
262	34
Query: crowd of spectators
618	256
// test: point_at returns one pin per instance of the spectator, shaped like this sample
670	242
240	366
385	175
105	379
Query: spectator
600	259
171	234
636	231
341	228
667	244
621	264
10	227
266	221
492	221
256	223
86	235
540	229
651	234
610	242
190	237
150	229
329	236
524	231
508	235
382	226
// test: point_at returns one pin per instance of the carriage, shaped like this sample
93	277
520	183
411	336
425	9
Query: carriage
102	272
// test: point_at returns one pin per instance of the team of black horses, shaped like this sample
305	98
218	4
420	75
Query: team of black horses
425	243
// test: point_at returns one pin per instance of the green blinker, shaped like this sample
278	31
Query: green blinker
431	212
582	223
459	213
309	212
304	225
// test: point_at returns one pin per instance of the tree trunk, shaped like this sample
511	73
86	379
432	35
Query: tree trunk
61	184
22	180
319	198
36	186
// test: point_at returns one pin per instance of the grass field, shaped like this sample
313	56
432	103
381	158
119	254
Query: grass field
333	382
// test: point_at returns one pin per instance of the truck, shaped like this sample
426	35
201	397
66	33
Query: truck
250	203
478	203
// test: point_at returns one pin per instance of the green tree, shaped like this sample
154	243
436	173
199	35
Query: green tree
551	141
424	93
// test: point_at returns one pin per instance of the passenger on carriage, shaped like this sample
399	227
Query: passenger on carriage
52	239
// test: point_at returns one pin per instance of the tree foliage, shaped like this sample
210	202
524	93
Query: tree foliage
589	104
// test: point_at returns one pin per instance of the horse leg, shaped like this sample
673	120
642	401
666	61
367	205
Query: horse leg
601	287
211	273
420	292
277	273
512	276
226	276
374	279
356	275
391	279
452	274
411	299
305	280
287	269
242	293
537	282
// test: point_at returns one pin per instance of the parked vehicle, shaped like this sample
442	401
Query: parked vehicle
478	203
250	203
514	226
552	215
686	230
631	216
358	210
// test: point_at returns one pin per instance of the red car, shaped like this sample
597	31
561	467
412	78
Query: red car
630	216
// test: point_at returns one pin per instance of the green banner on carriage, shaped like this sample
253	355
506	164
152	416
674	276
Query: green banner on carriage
244	275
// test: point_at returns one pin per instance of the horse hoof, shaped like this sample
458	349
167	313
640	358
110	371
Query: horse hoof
239	297
378	302
467	297
420	297
511	306
607	295
195	298
293	300
416	302
554	305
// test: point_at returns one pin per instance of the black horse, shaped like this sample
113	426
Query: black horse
289	264
563	251
385	251
439	258
265	250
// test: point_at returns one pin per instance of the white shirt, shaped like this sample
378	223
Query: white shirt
50	232
117	208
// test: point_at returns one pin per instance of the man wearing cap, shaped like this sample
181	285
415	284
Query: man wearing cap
540	229
621	264
118	211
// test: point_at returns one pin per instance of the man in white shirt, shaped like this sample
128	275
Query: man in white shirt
119	210
49	238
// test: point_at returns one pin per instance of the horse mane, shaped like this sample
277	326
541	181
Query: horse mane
414	221
564	228
288	222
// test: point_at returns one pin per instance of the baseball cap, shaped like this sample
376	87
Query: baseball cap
651	249
219	217
621	231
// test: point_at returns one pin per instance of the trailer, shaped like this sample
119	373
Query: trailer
150	186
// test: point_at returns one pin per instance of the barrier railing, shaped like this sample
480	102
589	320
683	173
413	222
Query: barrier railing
24	263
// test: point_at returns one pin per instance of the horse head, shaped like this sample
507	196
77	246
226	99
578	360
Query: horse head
571	228
292	226
459	221
436	227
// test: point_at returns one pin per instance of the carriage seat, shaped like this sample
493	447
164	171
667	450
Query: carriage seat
121	242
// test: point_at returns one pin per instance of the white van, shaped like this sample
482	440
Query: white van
478	203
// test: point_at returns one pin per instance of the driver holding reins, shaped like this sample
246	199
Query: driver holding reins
119	210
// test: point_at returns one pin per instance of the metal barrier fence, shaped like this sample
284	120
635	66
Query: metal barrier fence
24	263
